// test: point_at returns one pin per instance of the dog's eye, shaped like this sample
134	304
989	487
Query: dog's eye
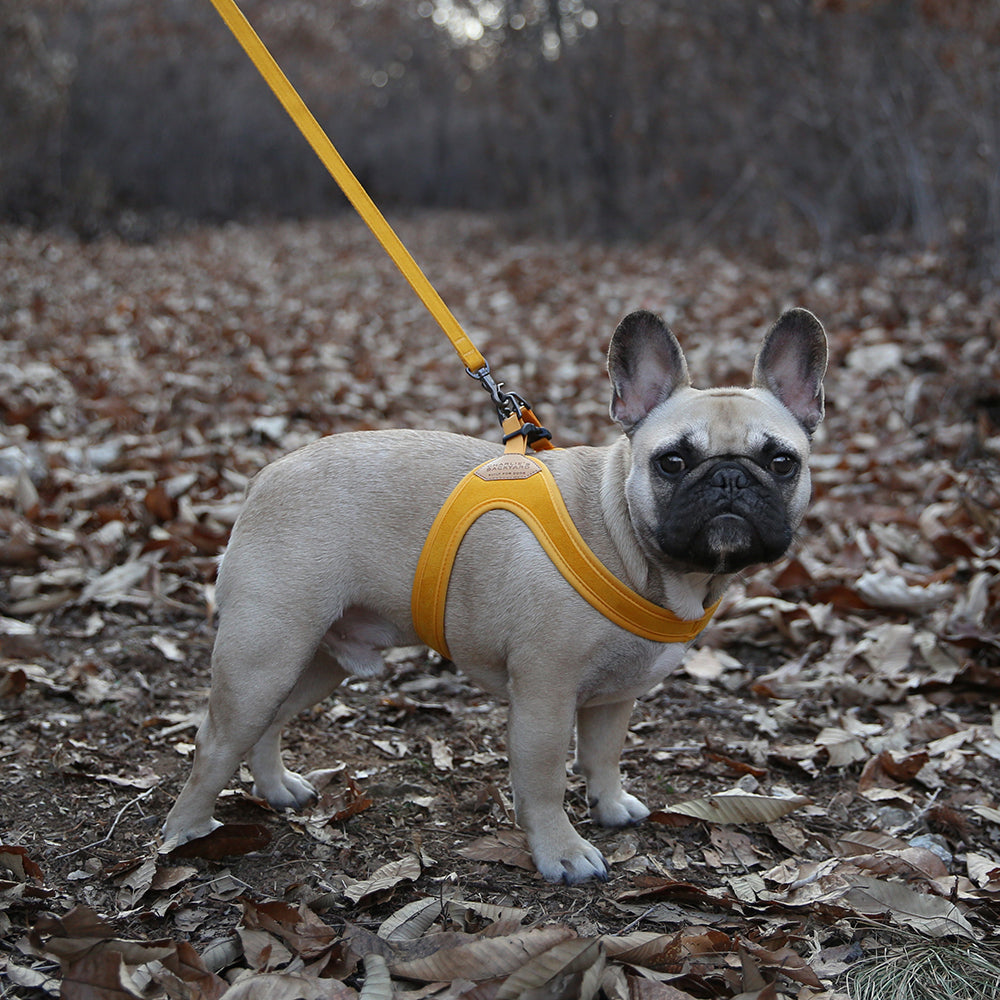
671	464
783	466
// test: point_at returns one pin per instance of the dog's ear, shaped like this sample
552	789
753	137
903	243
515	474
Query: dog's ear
645	364
791	365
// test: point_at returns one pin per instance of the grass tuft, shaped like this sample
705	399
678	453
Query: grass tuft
929	971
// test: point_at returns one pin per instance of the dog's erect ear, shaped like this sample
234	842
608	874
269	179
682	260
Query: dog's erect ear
645	364
791	365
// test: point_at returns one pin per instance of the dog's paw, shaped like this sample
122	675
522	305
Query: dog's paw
173	836
575	863
288	791
620	810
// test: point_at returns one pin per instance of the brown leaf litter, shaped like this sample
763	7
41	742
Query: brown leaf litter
823	770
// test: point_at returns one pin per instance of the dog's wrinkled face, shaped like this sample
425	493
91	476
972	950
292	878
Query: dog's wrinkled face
719	479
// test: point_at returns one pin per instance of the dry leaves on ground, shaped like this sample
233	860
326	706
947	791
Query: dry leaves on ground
823	769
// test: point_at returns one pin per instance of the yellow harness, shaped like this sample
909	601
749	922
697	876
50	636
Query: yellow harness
523	485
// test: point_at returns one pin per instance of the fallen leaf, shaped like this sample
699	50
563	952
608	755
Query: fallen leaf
487	958
573	968
289	986
983	869
230	839
406	869
844	748
297	926
737	806
441	754
337	805
168	648
17	861
658	887
926	914
411	921
507	846
882	589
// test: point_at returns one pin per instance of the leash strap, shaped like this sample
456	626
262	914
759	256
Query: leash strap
524	486
507	403
349	184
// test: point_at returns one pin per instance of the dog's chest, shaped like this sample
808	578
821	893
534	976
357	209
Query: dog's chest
629	671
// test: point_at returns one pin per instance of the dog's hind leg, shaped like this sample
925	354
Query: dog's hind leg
284	789
255	675
351	647
601	731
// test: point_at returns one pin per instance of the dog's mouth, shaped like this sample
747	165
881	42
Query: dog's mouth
729	538
725	543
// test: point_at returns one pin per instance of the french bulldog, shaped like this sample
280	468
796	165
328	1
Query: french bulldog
317	577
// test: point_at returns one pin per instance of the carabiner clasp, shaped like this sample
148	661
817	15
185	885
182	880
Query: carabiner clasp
511	404
505	402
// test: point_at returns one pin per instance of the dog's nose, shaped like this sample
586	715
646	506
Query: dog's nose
729	478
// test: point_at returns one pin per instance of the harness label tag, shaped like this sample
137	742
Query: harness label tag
507	467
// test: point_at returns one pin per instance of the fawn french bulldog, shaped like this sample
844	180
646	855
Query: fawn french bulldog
317	577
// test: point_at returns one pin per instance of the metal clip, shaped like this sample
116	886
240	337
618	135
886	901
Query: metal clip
506	403
509	404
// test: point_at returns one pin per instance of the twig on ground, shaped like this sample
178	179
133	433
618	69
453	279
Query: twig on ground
111	830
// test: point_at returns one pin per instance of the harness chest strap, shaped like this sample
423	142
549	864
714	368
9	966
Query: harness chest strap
524	486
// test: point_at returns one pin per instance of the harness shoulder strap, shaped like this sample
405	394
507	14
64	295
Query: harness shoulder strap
524	486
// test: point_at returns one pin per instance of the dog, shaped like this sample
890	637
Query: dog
316	580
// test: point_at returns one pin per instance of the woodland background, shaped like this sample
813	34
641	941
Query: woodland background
184	297
818	119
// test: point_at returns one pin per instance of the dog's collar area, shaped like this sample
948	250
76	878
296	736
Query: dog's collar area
523	485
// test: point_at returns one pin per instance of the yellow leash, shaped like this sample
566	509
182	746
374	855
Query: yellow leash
475	364
516	482
349	184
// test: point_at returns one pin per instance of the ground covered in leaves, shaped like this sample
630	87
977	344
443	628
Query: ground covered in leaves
825	766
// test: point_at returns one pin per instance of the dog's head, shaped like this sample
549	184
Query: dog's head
719	479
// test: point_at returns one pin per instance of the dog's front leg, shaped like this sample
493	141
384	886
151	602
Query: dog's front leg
540	727
600	736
